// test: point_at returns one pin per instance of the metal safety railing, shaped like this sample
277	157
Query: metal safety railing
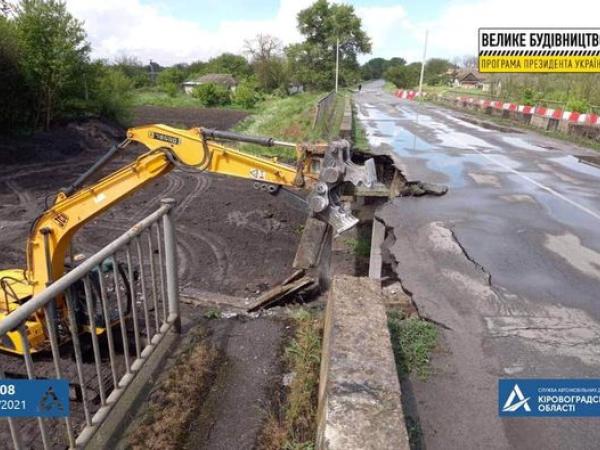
323	112
118	305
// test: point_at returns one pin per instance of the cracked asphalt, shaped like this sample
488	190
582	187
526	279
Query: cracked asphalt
508	262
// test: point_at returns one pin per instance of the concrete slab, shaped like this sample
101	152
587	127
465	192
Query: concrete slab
309	249
359	393
376	259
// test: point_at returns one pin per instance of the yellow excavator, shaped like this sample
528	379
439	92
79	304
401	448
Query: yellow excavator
320	168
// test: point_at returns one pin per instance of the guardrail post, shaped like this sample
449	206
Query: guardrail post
171	263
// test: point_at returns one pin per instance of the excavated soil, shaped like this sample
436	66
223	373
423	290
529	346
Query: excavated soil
232	239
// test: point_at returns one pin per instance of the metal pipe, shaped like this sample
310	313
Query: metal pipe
108	325
52	335
30	376
121	315
79	182
171	263
89	304
78	357
136	328
153	280
143	284
209	133
161	271
15	318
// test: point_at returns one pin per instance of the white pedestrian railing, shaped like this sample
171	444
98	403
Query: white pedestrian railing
127	292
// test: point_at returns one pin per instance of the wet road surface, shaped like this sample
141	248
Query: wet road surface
508	262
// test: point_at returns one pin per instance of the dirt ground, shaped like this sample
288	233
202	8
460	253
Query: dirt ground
232	239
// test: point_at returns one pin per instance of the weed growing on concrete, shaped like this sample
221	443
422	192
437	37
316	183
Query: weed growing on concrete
360	246
295	428
413	340
212	313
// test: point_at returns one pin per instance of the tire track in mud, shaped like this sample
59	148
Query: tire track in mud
219	247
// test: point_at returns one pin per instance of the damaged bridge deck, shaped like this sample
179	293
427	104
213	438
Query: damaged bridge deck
507	262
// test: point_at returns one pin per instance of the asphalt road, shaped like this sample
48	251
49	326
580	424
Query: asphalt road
507	262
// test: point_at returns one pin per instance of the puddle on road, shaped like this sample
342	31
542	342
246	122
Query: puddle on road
573	163
382	128
522	143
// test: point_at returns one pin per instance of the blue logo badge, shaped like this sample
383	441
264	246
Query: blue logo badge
530	397
34	398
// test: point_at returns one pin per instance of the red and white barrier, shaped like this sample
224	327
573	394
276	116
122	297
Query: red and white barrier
526	110
409	95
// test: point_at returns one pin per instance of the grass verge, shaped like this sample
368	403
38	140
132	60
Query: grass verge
413	340
165	423
286	119
389	87
294	428
155	97
359	135
151	97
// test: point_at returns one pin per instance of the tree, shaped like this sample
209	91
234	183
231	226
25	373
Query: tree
396	61
133	69
170	76
16	99
373	69
235	65
322	24
54	50
266	57
436	71
404	76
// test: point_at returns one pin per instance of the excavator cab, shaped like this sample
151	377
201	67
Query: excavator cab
16	290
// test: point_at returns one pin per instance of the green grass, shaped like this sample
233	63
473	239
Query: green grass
287	119
156	97
360	246
413	340
153	97
359	136
296	426
336	119
389	87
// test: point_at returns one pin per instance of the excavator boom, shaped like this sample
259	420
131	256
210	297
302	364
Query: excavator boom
321	168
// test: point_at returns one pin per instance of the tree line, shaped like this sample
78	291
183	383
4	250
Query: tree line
47	74
403	75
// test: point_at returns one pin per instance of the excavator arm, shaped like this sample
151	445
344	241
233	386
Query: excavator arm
320	168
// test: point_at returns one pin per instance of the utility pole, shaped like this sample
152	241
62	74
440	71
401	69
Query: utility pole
423	64
337	62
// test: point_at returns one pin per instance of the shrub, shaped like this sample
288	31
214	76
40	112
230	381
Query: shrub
246	95
530	97
212	94
113	95
171	89
577	105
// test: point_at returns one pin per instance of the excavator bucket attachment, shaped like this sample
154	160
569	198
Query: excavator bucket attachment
338	168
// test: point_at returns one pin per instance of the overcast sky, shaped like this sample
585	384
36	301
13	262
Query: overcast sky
171	31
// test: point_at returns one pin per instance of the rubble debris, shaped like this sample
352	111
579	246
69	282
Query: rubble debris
420	188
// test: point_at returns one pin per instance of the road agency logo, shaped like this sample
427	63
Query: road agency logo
530	397
516	400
